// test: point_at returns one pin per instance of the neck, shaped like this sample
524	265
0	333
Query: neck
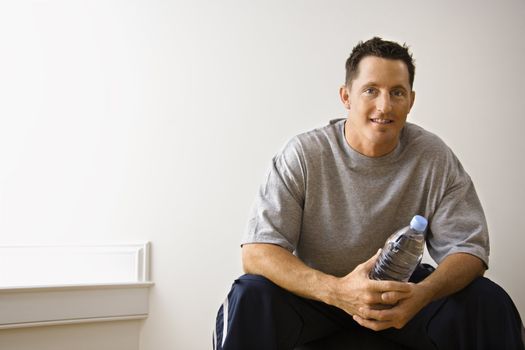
368	148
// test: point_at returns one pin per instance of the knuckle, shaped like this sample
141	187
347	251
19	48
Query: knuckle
380	316
389	298
376	327
399	324
368	298
389	285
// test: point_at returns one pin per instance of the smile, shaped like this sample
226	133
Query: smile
381	121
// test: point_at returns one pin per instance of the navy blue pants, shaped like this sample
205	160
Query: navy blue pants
258	314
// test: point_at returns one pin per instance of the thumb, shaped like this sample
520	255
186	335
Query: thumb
369	264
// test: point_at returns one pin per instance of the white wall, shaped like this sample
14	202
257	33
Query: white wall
155	121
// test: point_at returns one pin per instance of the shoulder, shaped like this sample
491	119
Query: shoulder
318	140
308	150
418	136
424	142
431	149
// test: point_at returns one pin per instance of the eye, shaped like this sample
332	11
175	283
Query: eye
369	91
398	93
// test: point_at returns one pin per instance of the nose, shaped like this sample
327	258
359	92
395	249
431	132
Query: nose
383	103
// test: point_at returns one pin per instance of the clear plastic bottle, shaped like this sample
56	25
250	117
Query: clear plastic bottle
402	252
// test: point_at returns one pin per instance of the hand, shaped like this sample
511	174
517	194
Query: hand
452	274
358	295
397	316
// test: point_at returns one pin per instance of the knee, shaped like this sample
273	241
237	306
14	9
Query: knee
484	295
485	289
254	289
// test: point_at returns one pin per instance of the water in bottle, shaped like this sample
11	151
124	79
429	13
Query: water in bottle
402	252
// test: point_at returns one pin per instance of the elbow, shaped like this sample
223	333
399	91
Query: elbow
483	267
247	259
255	257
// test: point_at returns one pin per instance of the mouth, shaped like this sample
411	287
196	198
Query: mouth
381	121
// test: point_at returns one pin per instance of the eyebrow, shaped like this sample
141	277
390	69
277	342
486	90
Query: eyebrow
400	87
374	84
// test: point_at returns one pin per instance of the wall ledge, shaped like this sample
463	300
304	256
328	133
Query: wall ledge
96	300
70	304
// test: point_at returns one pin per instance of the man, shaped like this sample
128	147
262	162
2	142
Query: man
330	200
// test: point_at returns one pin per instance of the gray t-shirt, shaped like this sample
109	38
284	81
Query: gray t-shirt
334	207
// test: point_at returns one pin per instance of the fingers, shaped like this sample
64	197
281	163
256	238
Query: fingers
383	299
372	324
404	287
379	319
371	298
375	314
391	286
394	297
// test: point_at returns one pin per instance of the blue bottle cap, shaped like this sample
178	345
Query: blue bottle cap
418	223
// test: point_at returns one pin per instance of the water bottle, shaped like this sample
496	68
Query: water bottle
402	252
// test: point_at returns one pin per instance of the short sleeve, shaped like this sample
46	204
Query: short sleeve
458	225
276	214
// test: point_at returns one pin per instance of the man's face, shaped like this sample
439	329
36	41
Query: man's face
379	100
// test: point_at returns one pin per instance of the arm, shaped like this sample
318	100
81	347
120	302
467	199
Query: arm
286	270
454	273
350	293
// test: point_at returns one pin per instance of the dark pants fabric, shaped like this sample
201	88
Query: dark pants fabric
258	314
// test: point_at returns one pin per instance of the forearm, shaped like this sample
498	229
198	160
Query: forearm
453	274
287	271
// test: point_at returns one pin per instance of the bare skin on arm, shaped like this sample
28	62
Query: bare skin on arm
356	293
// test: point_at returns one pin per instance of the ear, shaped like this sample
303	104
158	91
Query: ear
344	94
413	98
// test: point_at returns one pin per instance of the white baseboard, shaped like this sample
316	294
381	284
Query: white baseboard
50	285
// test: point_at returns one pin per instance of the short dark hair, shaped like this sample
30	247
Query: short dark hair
379	48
